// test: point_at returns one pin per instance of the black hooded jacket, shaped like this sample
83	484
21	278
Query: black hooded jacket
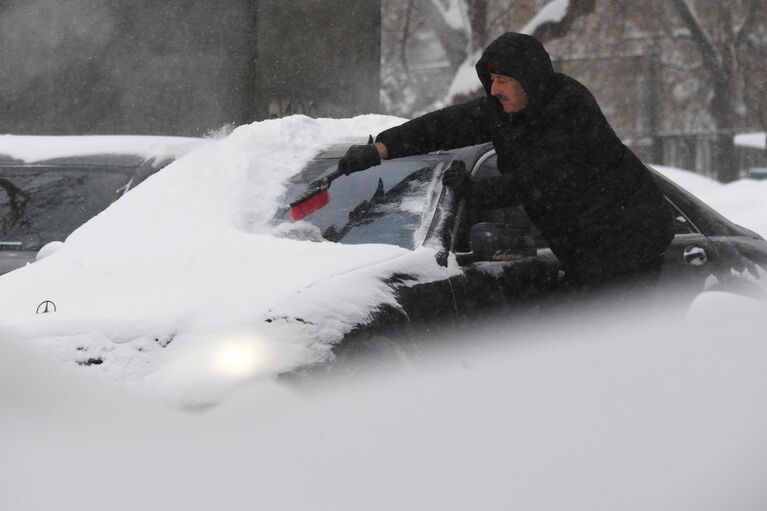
592	199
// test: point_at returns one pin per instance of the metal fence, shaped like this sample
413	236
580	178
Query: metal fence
694	151
634	96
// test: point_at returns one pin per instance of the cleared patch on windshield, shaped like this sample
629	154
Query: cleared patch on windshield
384	204
392	218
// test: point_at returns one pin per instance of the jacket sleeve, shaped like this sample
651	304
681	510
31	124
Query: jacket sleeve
455	126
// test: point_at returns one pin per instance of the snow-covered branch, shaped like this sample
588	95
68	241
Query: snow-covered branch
552	21
553	12
556	18
453	13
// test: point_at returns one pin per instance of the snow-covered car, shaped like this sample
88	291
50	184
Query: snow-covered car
50	185
201	272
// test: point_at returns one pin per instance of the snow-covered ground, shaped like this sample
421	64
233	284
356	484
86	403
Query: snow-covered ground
756	140
628	410
744	201
632	414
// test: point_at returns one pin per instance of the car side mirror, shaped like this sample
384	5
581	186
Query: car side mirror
500	242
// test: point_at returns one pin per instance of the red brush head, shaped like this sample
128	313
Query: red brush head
309	206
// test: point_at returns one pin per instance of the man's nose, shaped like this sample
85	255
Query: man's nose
493	89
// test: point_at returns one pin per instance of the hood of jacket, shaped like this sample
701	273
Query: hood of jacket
523	58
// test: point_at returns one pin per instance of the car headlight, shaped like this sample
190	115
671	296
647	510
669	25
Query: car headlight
239	356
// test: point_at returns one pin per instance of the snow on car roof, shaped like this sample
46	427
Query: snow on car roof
34	148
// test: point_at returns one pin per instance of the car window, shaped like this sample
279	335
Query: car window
388	203
43	204
514	215
682	224
702	217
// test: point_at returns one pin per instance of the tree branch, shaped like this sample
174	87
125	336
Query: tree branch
405	38
454	41
748	23
711	55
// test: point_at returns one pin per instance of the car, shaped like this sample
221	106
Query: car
50	185
203	271
504	262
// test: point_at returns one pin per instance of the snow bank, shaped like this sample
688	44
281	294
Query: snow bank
755	140
695	183
742	201
591	414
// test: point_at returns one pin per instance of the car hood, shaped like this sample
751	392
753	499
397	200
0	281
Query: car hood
220	324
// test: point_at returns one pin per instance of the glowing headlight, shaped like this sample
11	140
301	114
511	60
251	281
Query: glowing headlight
239	357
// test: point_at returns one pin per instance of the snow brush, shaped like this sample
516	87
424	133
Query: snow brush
315	197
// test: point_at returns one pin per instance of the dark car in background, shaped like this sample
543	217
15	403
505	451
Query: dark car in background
49	186
503	260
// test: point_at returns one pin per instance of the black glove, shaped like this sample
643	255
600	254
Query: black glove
359	157
458	179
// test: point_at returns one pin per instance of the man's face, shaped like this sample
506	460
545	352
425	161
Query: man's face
509	92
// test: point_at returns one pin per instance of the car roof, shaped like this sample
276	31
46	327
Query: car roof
96	160
336	151
93	150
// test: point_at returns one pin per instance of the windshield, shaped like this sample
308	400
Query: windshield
384	204
43	204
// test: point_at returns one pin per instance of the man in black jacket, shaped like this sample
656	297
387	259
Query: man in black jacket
591	198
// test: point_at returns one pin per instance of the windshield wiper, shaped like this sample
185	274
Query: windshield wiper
363	213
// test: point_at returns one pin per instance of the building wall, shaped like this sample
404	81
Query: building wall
182	67
318	57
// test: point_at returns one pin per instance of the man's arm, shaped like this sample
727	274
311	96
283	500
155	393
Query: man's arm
455	126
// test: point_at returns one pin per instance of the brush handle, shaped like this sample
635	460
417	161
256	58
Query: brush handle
333	176
318	186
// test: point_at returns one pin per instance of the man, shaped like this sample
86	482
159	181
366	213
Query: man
591	198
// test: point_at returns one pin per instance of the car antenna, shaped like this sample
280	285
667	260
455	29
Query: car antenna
316	195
